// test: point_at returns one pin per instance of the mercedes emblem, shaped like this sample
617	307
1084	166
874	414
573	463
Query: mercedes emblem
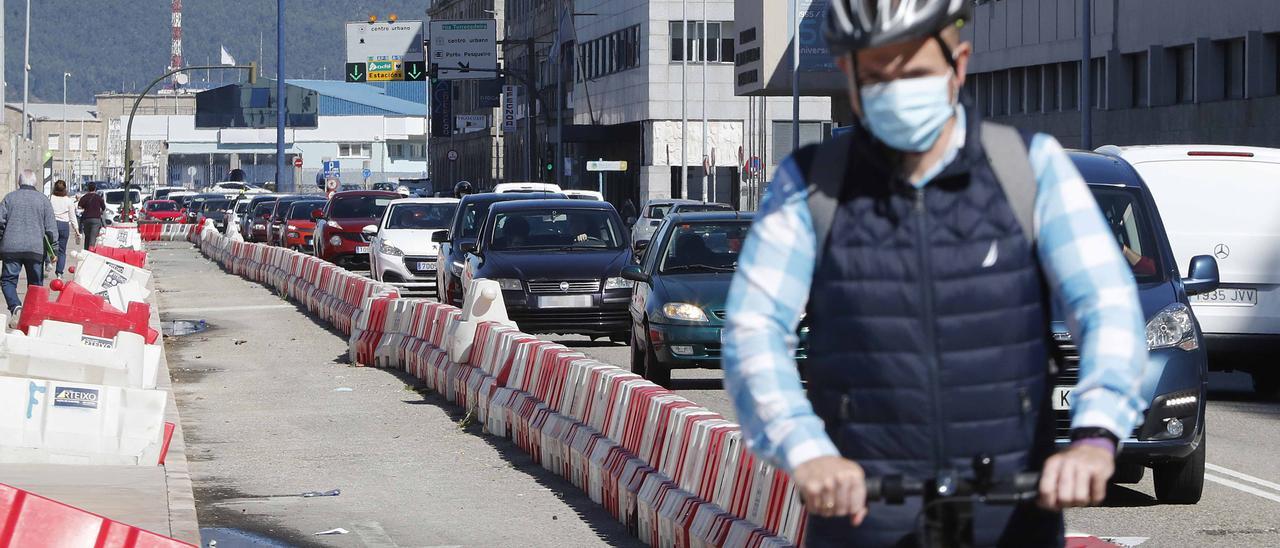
564	287
1221	251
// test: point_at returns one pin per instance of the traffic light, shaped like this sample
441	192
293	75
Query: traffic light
549	162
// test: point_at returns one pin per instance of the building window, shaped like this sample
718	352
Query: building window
1051	91
55	141
610	54
1233	68
1099	82
810	132
718	47
1017	78
73	141
1184	74
1137	78
355	150
1000	92
91	142
1070	73
1033	88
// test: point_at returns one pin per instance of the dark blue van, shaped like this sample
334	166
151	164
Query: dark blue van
1171	439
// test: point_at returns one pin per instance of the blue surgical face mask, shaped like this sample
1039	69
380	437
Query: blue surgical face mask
908	114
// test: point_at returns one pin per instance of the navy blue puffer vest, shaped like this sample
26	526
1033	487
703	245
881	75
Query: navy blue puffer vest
927	341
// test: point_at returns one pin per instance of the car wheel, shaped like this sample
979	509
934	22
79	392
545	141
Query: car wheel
1128	474
620	338
1266	383
649	366
1181	482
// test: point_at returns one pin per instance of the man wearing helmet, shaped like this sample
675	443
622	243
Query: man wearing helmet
925	247
461	189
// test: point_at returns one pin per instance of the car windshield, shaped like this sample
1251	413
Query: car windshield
301	211
1123	208
658	211
241	207
562	229
117	197
216	205
281	209
359	207
704	246
263	209
421	216
162	206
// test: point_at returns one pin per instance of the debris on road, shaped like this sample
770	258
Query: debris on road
329	493
335	531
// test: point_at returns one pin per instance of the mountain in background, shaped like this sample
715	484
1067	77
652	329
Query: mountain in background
118	45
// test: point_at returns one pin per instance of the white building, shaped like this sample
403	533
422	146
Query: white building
629	90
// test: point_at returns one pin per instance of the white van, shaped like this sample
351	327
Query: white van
528	188
1224	201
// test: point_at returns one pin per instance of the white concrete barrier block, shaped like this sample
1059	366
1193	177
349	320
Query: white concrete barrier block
61	351
483	304
121	235
43	421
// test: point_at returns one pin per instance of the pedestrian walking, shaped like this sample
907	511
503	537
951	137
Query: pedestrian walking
908	245
27	218
64	213
92	206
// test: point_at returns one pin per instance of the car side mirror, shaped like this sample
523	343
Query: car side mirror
634	273
317	214
469	248
440	236
1202	276
369	230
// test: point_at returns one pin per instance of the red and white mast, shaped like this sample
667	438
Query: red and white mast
175	48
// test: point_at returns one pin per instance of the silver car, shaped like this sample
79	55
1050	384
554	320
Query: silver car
654	211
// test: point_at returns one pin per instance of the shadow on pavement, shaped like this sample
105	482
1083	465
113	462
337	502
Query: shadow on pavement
603	343
593	515
697	384
1119	496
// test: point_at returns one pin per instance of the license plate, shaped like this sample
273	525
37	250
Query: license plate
1228	296
362	250
426	266
1060	398
566	301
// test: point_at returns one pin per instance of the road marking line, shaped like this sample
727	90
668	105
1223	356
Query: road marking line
1241	475
1242	487
249	308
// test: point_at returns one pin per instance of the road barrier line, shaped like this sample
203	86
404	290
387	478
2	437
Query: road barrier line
1241	475
1242	487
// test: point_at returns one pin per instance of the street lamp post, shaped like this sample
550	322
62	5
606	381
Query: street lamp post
62	128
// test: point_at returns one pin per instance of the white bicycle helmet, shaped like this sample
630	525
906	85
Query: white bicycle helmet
853	25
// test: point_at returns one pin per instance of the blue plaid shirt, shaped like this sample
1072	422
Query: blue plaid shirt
1077	251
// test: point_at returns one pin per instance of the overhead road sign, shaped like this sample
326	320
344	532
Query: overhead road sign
465	50
385	52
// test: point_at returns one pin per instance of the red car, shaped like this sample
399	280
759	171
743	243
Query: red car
164	211
300	225
338	237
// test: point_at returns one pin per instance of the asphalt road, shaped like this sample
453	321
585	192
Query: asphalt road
1241	502
272	409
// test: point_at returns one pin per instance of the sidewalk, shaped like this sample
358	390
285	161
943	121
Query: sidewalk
155	498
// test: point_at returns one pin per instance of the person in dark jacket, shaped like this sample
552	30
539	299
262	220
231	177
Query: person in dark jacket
924	268
27	218
92	205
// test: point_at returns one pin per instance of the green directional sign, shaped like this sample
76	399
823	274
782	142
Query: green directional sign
415	71
356	72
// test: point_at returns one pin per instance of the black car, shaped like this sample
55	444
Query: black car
247	218
195	205
559	265
461	238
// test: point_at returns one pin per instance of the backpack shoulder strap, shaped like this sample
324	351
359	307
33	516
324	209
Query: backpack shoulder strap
1007	152
825	171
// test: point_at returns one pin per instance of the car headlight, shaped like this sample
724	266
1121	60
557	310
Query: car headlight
1172	327
293	234
455	267
388	249
618	283
508	284
291	227
335	240
684	312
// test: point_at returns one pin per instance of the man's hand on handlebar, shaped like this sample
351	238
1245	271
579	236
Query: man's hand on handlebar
1076	477
832	487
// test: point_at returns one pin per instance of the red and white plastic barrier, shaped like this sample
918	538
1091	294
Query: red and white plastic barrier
118	282
62	351
28	519
675	473
125	236
77	423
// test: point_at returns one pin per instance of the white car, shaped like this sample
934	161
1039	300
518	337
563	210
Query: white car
401	252
233	188
1224	201
528	188
114	199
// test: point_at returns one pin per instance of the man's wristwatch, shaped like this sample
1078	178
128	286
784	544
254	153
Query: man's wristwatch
1096	437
